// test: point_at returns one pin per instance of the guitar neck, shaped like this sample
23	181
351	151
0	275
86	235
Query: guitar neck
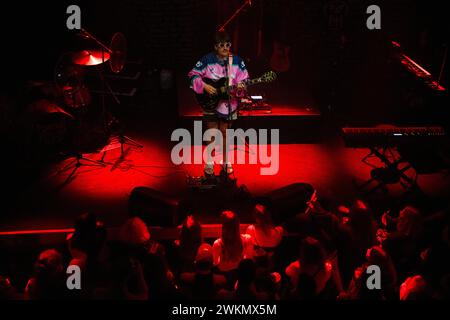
265	78
249	82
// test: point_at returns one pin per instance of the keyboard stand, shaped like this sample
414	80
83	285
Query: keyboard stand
391	173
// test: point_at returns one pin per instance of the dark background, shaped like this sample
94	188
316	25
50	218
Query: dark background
352	76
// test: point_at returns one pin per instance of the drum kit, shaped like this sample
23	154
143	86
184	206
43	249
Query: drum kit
70	69
74	95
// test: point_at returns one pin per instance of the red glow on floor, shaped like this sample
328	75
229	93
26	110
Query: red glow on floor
56	201
137	167
314	163
277	110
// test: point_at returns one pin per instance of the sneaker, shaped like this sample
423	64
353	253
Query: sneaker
209	169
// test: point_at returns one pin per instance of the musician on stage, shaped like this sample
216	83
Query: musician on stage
216	65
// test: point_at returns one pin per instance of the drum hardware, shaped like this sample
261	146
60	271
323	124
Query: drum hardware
69	77
116	55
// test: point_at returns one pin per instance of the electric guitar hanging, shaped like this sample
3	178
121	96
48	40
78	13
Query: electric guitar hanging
209	102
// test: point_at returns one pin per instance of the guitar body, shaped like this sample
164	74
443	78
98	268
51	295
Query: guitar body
209	102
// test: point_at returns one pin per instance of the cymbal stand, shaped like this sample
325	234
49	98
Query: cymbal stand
120	137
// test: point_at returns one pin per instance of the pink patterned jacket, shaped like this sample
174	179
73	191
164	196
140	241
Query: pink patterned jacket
211	67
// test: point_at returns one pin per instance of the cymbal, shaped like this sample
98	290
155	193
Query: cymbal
44	106
90	57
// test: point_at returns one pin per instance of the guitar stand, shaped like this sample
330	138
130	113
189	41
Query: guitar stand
391	173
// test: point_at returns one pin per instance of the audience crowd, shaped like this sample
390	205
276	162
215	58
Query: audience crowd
316	254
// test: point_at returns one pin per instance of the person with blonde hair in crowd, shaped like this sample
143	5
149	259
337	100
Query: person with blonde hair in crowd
264	233
232	246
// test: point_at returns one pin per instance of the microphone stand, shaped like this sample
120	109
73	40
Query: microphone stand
227	74
249	2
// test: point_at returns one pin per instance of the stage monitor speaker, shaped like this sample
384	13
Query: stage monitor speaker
153	207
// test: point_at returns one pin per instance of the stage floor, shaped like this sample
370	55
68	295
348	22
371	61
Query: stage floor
276	110
54	200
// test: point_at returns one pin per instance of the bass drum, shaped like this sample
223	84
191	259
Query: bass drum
69	78
76	97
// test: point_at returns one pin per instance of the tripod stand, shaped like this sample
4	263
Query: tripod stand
78	158
119	141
